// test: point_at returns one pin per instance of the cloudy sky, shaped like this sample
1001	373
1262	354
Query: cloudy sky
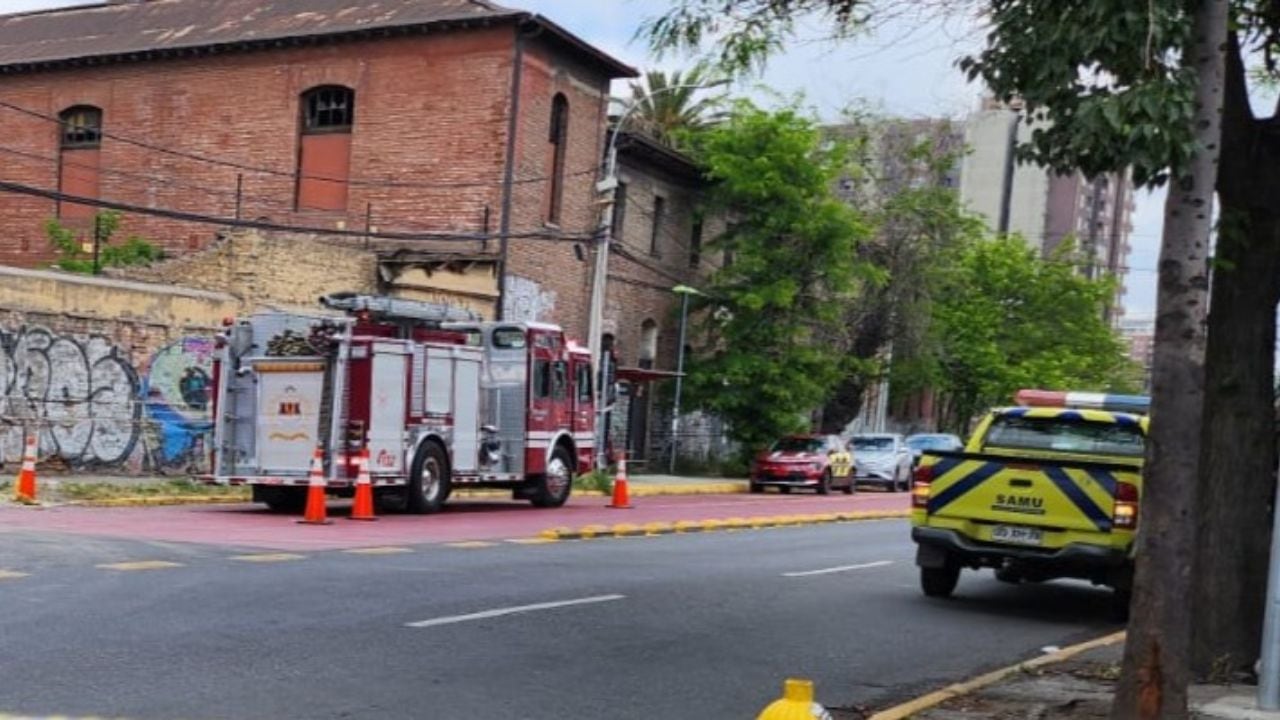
905	67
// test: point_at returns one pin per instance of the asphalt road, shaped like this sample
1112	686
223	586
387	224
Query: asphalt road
682	626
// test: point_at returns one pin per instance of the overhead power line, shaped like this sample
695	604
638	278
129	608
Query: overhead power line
245	167
269	225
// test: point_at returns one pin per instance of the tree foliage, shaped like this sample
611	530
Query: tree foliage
669	106
917	219
70	243
1003	318
743	32
792	242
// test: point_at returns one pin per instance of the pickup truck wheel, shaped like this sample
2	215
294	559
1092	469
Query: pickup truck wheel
824	485
939	582
428	479
553	488
784	489
1119	605
755	488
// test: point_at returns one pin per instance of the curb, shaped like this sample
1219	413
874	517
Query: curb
589	532
634	490
937	697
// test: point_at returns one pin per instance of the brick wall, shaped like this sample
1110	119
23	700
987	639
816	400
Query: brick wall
427	152
546	279
642	273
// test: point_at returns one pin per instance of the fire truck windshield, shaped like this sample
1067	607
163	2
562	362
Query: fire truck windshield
508	338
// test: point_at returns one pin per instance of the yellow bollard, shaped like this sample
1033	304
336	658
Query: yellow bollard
796	703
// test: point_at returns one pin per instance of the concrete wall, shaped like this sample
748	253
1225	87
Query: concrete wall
112	374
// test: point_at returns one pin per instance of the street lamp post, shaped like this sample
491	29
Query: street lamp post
595	331
684	291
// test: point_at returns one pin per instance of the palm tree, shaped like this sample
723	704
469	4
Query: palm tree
666	104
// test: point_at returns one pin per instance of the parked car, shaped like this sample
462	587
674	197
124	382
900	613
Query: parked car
817	462
881	459
921	442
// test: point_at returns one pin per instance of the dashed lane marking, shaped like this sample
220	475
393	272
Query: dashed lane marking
268	557
839	569
500	612
471	544
378	551
12	574
140	565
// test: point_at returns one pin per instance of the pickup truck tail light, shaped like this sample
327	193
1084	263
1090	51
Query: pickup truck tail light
920	487
1125	515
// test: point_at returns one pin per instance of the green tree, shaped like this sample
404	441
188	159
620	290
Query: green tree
668	106
792	242
916	221
1110	84
1003	318
69	243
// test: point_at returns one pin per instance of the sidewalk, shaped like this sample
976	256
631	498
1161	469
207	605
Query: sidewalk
121	489
1079	687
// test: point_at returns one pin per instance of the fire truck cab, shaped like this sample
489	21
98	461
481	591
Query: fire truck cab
440	400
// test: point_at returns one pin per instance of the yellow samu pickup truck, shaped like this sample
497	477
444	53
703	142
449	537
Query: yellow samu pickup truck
1047	489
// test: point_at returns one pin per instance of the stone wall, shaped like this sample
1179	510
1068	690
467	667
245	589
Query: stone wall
111	374
277	270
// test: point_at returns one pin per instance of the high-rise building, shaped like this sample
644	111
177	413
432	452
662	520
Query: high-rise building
1042	206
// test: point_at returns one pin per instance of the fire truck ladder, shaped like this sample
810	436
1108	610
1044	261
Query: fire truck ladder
388	308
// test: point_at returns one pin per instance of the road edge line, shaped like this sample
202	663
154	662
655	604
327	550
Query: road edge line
688	527
960	689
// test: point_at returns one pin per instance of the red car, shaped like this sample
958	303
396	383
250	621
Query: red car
816	462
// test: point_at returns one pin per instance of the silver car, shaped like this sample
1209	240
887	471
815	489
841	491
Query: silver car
881	459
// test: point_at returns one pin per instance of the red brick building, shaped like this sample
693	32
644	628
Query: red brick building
460	119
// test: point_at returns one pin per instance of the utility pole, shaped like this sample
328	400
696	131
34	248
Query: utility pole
97	243
684	291
607	186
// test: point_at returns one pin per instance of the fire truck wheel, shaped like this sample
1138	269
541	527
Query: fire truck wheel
553	488
429	479
281	499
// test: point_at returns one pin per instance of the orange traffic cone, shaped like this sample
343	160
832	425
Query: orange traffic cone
621	500
363	507
316	507
26	485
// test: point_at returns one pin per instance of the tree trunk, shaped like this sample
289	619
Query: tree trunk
1155	673
1237	478
1237	475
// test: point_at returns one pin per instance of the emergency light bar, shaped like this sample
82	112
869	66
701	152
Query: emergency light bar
1139	404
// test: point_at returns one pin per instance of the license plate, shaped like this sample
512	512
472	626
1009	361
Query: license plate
1017	535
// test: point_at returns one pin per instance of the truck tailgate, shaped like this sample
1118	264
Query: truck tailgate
1073	496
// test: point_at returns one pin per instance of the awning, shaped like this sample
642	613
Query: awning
644	375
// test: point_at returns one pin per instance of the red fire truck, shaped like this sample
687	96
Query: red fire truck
440	399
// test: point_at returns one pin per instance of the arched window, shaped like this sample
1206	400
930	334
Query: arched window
79	160
648	343
81	127
324	147
556	148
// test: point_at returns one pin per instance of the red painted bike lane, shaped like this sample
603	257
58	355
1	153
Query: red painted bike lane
252	526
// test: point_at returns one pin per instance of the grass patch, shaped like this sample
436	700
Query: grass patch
167	488
600	481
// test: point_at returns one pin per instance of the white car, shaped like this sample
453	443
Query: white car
881	459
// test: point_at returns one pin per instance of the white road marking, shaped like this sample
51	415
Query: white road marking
842	568
500	612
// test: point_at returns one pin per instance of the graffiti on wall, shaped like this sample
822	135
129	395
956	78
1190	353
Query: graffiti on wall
92	408
176	390
526	301
80	392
